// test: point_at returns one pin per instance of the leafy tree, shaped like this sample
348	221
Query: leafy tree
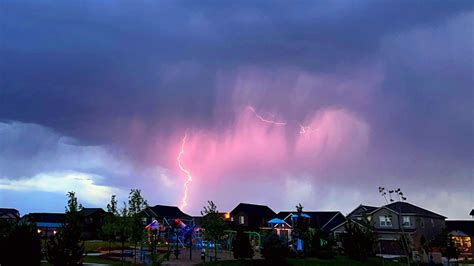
320	244
110	227
213	224
241	246
358	242
448	247
301	228
274	249
136	206
66	247
19	239
124	226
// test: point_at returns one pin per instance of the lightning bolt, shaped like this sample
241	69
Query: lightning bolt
184	200
303	129
306	129
265	120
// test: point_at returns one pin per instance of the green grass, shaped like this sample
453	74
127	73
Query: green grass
98	260
93	246
338	261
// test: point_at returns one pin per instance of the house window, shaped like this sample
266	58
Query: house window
406	221
385	221
241	219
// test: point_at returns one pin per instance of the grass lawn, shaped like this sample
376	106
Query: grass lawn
338	261
93	245
98	260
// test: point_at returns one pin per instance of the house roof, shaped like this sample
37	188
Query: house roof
318	219
9	212
90	211
366	208
465	226
168	211
47	217
253	209
407	208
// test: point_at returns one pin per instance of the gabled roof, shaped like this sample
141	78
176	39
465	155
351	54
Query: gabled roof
465	226
407	208
168	211
366	209
90	211
318	219
47	217
253	209
13	213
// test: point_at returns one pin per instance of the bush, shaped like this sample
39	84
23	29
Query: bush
241	246
21	240
274	249
358	242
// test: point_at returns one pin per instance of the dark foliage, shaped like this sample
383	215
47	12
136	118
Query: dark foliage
66	247
241	246
358	242
19	239
274	249
321	245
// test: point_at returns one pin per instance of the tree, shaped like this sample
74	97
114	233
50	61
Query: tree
124	229
18	239
109	228
241	246
274	249
301	228
213	224
358	241
136	206
66	247
448	247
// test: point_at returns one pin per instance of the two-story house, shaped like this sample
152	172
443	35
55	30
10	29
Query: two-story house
251	217
9	215
322	220
165	215
389	222
91	220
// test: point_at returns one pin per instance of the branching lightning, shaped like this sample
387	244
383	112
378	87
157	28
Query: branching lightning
265	120
184	200
303	129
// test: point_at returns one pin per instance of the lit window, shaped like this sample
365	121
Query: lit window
406	221
385	221
241	219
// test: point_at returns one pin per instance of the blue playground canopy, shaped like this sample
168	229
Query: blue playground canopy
276	221
304	215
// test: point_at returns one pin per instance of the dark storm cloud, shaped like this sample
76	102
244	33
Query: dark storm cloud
72	65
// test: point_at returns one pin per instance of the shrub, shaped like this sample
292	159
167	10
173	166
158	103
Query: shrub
274	249
241	246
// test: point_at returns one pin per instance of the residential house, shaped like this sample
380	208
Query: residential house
165	215
91	220
9	215
250	217
48	223
392	220
322	220
462	233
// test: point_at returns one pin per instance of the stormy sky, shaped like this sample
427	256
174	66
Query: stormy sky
311	102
